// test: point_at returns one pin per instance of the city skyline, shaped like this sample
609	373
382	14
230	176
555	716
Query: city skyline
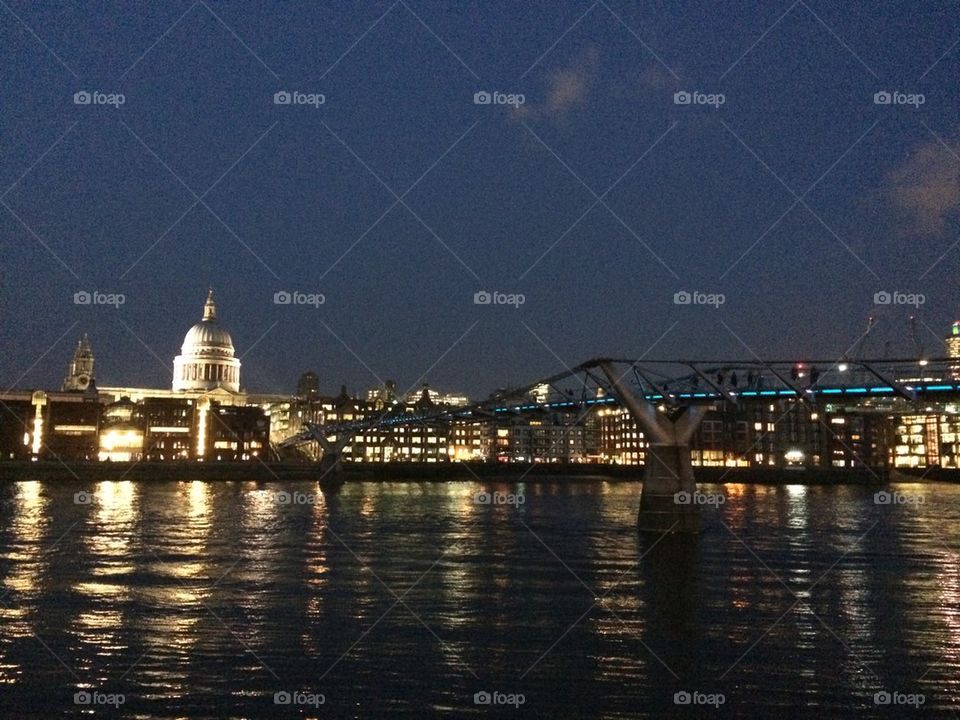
426	358
621	180
948	348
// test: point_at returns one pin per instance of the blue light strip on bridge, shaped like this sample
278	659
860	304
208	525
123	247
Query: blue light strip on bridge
610	400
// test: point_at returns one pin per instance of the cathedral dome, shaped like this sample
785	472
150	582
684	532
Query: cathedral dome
206	358
207	337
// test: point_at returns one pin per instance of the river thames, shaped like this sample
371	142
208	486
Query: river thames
262	600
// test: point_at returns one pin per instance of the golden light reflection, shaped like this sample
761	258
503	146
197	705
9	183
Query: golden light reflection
455	576
116	501
199	499
107	549
30	520
948	585
317	567
28	528
738	496
178	606
264	517
734	490
317	576
798	512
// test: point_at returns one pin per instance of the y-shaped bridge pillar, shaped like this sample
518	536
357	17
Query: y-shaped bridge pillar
331	461
668	469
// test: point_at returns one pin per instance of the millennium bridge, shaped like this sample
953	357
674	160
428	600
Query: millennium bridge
668	399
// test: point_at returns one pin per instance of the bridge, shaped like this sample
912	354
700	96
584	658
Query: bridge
668	399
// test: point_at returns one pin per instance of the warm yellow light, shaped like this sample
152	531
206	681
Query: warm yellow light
202	430
113	439
37	432
794	456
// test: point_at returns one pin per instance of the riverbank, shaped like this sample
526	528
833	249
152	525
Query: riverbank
431	472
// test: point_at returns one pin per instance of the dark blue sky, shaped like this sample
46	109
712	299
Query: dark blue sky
798	198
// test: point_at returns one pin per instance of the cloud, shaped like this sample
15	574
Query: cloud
657	77
567	88
926	187
570	86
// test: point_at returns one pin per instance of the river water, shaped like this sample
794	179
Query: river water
262	600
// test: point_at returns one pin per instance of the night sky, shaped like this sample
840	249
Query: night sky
798	198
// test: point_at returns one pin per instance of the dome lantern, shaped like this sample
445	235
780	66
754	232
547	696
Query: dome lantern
209	308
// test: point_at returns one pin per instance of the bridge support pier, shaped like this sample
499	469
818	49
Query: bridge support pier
666	501
331	461
667	482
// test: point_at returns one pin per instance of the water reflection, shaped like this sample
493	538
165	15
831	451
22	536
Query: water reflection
30	522
28	525
191	596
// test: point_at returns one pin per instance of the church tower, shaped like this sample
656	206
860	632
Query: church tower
80	375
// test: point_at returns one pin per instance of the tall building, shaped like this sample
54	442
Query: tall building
308	387
952	343
80	373
206	360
